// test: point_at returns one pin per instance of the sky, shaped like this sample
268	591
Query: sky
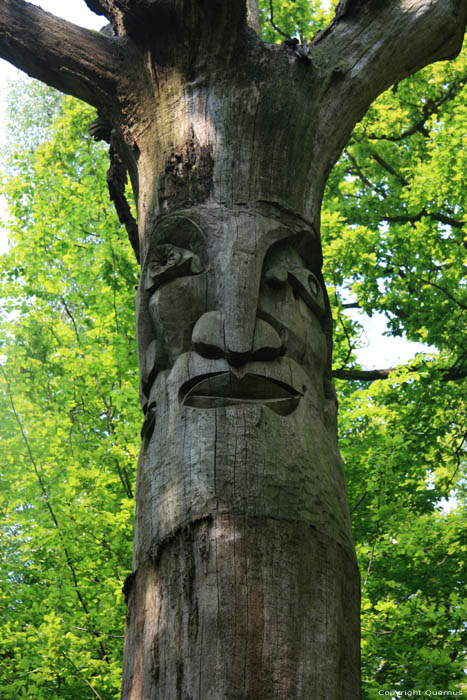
379	351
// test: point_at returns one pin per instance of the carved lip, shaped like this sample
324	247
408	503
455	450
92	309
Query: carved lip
219	389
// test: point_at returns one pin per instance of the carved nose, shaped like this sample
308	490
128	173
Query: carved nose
209	340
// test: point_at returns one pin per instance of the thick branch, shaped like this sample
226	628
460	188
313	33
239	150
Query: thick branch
252	16
169	17
74	60
395	38
372	45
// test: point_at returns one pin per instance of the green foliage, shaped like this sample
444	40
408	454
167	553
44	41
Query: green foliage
402	441
393	227
394	244
396	210
31	110
289	18
70	422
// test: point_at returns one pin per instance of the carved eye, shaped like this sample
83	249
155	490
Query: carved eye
313	284
306	286
277	277
169	262
165	258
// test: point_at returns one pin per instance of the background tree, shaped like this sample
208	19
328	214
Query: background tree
379	533
395	244
69	402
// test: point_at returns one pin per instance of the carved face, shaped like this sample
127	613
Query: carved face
232	328
231	304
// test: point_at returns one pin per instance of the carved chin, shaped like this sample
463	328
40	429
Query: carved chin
219	389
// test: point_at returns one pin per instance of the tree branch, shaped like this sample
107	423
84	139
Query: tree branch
351	305
429	109
76	61
359	172
144	18
363	375
388	167
360	500
413	218
272	22
371	375
116	181
44	493
444	291
373	45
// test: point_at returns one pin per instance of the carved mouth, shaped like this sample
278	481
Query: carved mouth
221	389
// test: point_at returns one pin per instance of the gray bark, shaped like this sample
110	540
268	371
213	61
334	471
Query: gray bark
74	60
245	581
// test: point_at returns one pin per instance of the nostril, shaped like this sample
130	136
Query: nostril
210	352
267	343
208	335
208	339
237	359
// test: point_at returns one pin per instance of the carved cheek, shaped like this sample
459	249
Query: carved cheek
281	304
174	309
303	335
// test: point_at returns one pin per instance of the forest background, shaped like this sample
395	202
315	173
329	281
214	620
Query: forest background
393	227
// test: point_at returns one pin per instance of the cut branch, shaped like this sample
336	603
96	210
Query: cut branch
97	7
363	375
116	181
403	37
120	17
76	61
136	18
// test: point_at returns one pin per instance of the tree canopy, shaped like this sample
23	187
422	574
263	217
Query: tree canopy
393	227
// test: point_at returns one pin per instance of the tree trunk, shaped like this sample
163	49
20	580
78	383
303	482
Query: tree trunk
245	583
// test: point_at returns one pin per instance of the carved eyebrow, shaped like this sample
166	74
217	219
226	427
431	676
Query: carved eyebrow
302	246
180	231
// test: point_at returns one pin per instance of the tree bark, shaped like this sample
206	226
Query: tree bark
77	61
245	582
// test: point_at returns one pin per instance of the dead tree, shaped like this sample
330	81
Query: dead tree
245	582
